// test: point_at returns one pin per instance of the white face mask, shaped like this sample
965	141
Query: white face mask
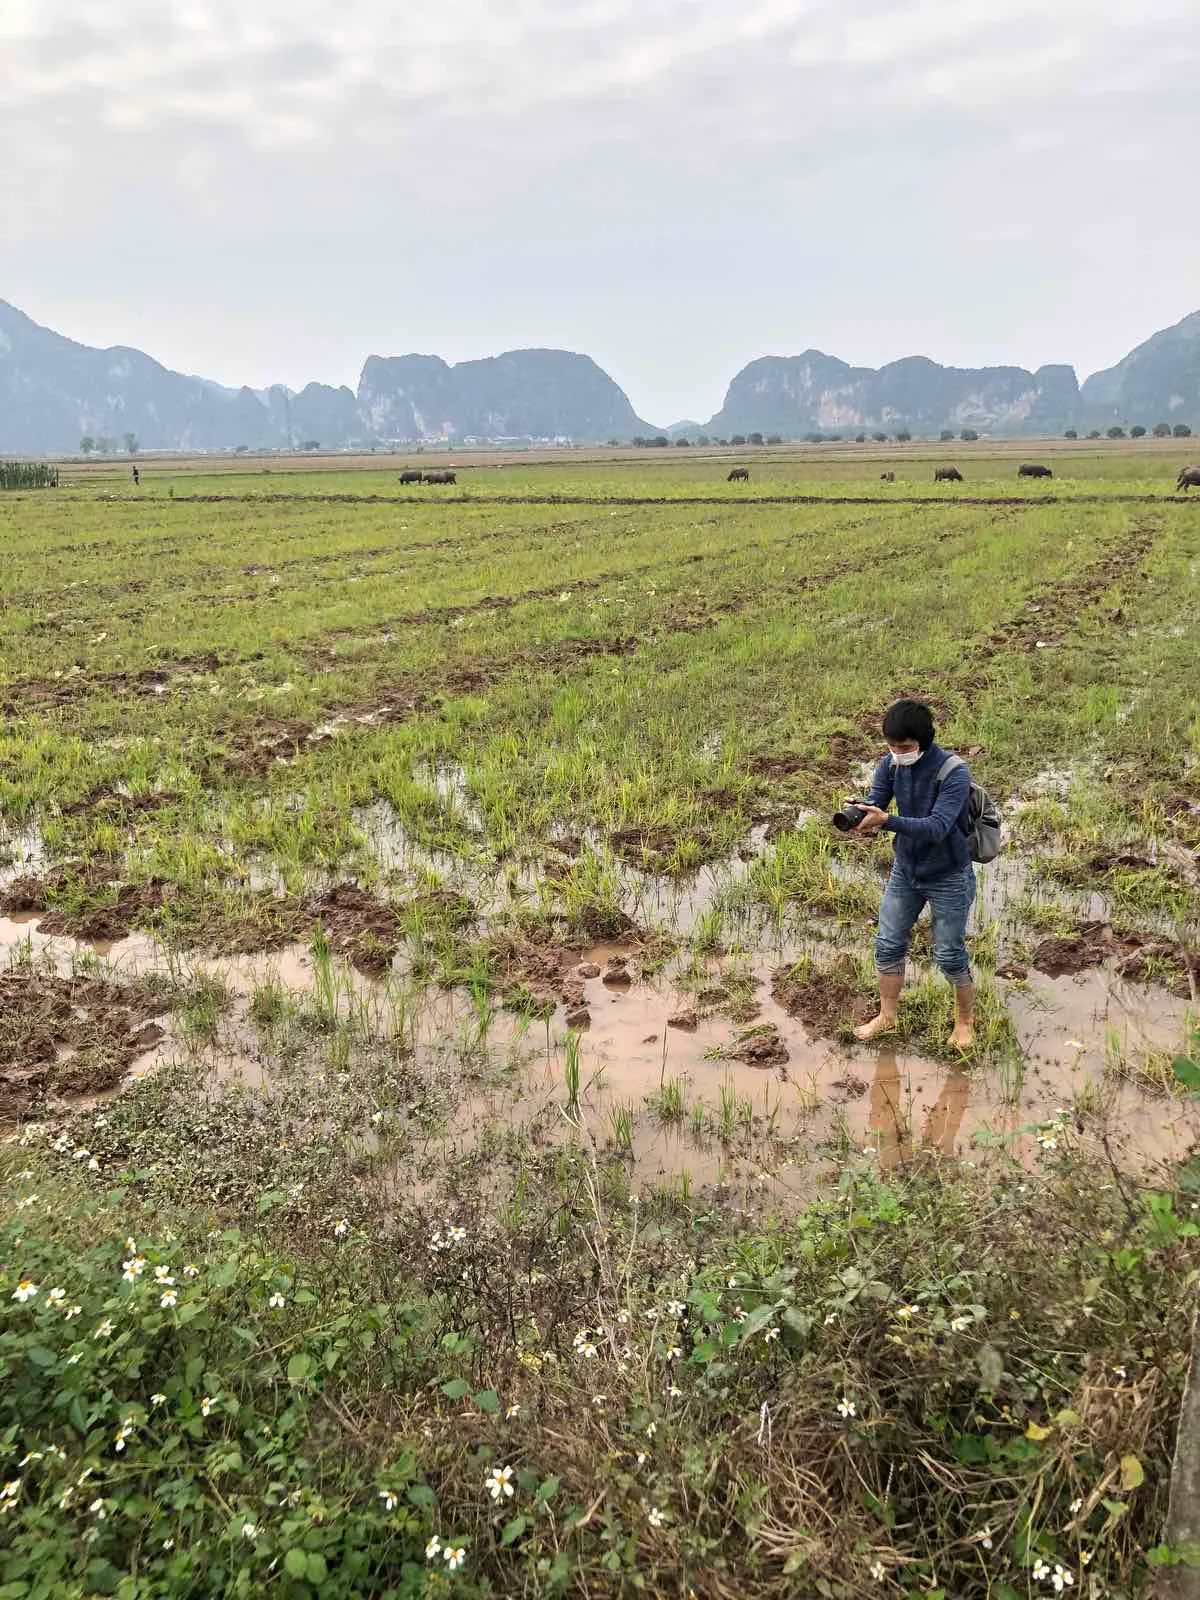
905	758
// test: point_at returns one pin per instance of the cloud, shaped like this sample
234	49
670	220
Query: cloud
603	159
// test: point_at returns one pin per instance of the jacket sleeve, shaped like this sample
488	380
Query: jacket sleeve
951	801
882	788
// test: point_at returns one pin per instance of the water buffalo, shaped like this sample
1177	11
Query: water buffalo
1033	469
1189	478
947	475
411	476
441	477
739	475
887	477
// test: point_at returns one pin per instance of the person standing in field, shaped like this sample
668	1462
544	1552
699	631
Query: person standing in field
137	477
931	863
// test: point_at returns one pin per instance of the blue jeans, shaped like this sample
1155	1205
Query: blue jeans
949	898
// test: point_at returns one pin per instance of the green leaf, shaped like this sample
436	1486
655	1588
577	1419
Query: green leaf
317	1570
705	1352
40	1356
422	1495
756	1322
456	1388
548	1488
514	1529
299	1367
488	1400
296	1563
1132	1473
1187	1072
797	1322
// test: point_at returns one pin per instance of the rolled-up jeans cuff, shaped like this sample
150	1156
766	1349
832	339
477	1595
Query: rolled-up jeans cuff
960	980
893	969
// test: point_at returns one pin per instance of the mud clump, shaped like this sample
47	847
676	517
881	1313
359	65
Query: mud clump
357	926
134	904
541	967
655	847
686	1018
850	1087
1137	959
823	998
70	1035
130	905
762	1046
114	802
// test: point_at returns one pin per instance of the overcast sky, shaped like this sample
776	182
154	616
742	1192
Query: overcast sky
262	190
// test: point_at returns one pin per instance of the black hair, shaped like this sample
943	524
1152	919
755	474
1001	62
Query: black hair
908	719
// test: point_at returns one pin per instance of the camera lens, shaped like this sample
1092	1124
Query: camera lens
848	818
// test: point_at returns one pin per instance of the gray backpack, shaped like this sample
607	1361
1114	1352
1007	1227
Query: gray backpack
983	820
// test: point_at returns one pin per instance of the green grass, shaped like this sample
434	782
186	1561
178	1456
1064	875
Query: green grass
499	727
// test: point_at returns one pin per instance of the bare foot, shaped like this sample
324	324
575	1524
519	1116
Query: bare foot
877	1025
963	1037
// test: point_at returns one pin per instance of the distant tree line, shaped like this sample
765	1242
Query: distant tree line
1160	430
107	447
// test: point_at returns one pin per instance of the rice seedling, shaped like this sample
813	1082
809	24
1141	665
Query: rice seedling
671	1100
571	1072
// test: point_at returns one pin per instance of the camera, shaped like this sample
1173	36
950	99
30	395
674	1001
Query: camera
849	817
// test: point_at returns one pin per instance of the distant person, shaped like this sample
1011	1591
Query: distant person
137	477
931	863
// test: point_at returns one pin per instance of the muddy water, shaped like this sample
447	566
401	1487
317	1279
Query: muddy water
771	1132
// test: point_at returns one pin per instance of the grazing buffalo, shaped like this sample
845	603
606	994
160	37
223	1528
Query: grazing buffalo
887	477
1033	469
1189	478
441	477
411	476
947	475
739	475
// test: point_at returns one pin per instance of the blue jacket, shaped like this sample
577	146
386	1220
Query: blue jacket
931	840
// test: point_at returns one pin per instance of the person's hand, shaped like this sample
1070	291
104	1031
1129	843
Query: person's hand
872	821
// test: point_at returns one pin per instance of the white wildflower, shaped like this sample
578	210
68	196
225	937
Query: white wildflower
877	1571
498	1483
454	1555
277	1302
191	1272
390	1501
158	1399
846	1407
168	1298
25	1290
433	1549
250	1530
103	1329
341	1228
655	1517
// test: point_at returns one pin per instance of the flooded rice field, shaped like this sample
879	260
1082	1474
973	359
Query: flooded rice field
692	1069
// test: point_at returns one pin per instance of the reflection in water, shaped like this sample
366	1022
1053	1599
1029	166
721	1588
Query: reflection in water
890	1119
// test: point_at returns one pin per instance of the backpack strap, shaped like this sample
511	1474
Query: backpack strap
946	768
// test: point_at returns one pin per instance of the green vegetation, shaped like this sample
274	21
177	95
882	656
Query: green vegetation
498	1173
27	475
